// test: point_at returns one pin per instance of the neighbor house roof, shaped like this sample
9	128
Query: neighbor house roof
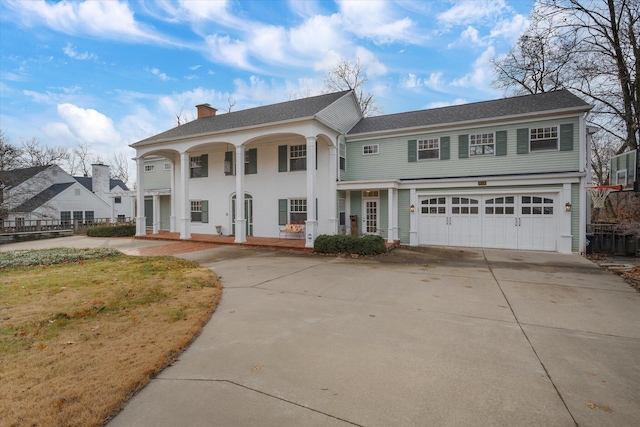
519	105
42	197
87	182
16	177
299	108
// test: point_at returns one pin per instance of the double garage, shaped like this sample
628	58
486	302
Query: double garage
527	221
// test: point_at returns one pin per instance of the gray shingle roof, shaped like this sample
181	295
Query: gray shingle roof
18	176
519	105
87	182
42	197
299	108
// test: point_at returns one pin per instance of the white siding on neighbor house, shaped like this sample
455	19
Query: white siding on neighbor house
342	114
392	160
74	198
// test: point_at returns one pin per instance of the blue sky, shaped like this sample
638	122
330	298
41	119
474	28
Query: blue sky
109	73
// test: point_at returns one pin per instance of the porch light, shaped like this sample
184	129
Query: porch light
412	208
567	207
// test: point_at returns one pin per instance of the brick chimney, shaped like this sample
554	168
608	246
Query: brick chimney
205	110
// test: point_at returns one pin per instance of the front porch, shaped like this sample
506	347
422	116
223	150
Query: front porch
252	242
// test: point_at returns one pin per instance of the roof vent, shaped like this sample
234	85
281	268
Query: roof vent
205	110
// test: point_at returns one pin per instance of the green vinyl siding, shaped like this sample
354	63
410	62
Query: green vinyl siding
403	215
396	155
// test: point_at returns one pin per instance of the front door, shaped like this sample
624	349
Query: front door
148	212
248	214
371	216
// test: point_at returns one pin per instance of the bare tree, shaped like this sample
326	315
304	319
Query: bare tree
590	47
81	159
231	103
349	75
9	154
182	118
119	167
34	154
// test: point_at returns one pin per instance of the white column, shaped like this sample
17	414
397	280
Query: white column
312	218
333	190
156	214
172	199
565	235
413	231
241	223
347	212
390	203
396	234
185	211
140	219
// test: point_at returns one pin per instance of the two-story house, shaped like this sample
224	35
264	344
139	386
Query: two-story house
507	173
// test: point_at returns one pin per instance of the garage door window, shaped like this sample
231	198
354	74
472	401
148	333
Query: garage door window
500	206
436	205
464	205
537	205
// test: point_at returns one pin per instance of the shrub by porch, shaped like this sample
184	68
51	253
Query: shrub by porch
340	243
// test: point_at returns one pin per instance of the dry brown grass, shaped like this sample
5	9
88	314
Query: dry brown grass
78	340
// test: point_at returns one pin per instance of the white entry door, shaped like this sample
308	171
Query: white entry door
371	216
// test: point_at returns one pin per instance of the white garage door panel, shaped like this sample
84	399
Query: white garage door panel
489	221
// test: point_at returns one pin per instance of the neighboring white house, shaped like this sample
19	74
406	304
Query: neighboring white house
506	173
50	193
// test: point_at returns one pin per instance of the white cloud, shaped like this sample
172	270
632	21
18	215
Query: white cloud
88	125
71	52
457	101
227	51
482	72
466	12
162	76
375	20
434	81
195	67
109	19
510	29
470	34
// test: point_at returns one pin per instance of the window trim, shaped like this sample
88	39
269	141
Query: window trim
552	129
427	140
375	149
294	203
291	159
482	144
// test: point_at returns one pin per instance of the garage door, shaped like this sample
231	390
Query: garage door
489	221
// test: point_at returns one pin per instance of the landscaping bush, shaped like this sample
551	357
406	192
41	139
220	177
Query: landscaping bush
341	243
125	230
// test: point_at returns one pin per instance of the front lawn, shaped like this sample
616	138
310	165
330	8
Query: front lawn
80	335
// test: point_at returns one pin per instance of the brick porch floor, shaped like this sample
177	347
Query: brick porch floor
253	242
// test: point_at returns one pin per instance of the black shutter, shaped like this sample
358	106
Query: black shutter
282	211
204	165
445	148
463	146
413	150
523	141
501	143
566	137
282	158
252	167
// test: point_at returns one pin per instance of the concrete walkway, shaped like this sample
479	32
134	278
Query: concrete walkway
418	337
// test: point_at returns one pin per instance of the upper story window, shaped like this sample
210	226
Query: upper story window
343	155
298	157
117	199
167	166
481	144
545	138
149	168
429	148
370	149
199	166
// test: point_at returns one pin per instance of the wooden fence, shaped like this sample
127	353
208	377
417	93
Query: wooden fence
613	239
20	230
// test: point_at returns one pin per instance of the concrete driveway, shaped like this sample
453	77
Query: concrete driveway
418	337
